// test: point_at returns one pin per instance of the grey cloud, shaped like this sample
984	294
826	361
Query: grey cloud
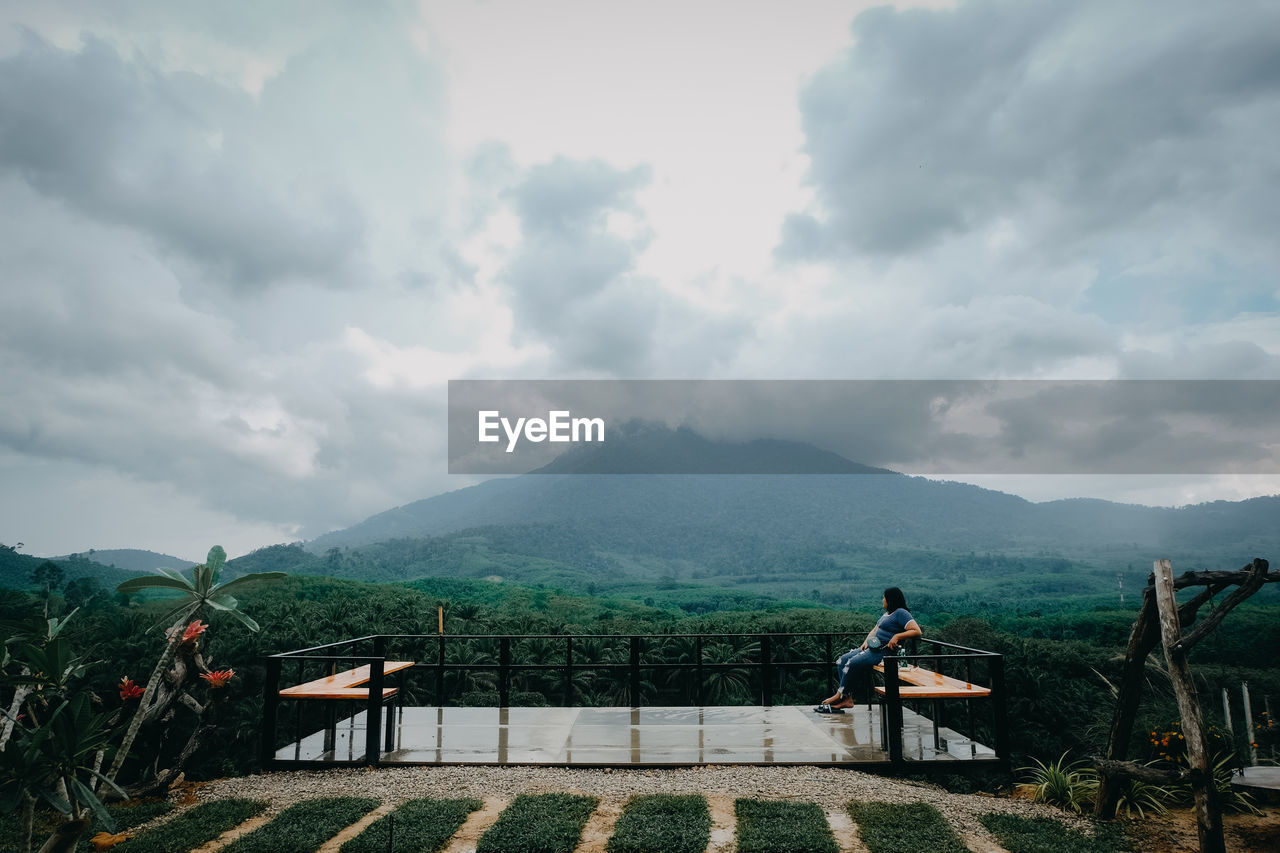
131	145
572	197
938	123
1227	360
571	278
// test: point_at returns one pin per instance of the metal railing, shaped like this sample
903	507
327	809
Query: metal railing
761	660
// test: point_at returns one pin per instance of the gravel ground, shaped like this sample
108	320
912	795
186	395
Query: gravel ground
831	788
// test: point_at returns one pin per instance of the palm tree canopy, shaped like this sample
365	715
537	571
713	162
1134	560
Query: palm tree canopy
202	589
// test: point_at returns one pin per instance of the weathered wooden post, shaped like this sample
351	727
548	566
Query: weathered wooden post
1208	815
1226	712
1249	733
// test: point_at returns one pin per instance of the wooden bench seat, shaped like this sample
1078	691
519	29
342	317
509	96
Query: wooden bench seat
927	684
345	685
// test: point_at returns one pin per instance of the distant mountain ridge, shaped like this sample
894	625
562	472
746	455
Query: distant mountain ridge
866	506
131	559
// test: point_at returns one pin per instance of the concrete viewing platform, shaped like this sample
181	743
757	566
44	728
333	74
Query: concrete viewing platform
648	736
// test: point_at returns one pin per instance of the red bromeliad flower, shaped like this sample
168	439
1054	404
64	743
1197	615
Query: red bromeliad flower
219	678
193	630
129	690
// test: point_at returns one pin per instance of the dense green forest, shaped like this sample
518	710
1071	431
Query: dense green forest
1060	656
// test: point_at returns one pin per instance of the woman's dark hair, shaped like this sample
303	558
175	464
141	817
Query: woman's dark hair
894	600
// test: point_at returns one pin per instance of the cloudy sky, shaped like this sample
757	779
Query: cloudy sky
243	247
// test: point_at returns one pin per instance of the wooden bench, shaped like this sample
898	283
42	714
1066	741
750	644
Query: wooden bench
927	684
924	683
346	685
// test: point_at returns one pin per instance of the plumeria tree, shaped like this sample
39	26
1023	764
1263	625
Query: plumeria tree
181	665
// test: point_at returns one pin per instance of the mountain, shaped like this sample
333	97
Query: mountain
130	559
786	533
16	569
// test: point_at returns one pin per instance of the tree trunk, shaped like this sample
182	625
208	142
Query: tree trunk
1141	640
28	821
15	708
1208	816
148	699
65	837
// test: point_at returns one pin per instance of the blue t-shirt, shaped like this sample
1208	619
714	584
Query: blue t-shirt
892	623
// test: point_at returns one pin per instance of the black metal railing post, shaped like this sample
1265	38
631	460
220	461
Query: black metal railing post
568	672
893	708
635	672
270	704
504	672
697	644
831	660
766	671
373	713
999	707
440	674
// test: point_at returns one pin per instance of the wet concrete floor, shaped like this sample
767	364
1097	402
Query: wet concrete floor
637	736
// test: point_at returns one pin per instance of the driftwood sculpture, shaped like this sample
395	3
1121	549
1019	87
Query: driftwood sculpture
1162	620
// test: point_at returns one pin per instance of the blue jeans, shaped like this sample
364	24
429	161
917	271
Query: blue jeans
853	664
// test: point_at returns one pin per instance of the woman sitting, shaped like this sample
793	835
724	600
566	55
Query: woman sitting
893	627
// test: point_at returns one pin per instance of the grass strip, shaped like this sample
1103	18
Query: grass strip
781	826
662	823
539	823
1046	835
304	826
194	827
418	826
126	817
892	827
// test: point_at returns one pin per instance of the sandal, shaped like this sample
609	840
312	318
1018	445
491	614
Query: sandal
824	708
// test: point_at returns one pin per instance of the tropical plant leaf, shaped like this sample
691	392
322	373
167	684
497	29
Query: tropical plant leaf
245	620
90	799
53	798
215	561
134	585
246	579
223	602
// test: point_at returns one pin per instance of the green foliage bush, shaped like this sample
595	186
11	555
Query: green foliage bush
1072	786
193	828
418	826
662	823
893	827
539	823
304	826
780	826
1046	835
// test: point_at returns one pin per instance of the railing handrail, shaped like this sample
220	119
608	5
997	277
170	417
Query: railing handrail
970	652
331	645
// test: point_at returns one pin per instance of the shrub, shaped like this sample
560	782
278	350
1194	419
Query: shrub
1072	786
